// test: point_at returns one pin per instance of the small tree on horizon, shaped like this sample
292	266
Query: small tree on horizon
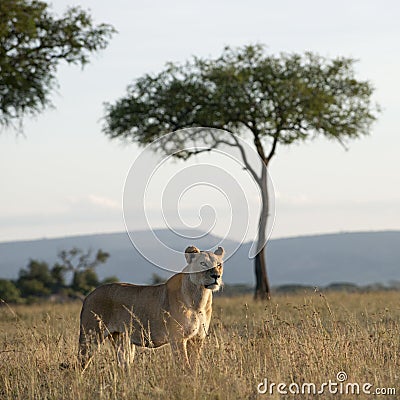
277	100
35	280
82	265
9	293
38	280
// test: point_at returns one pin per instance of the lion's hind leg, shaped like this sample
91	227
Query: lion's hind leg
125	351
93	332
88	340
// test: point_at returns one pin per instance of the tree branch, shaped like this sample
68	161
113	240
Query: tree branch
342	143
259	146
273	147
245	160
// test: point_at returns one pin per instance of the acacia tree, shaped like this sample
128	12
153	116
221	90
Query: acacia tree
33	41
83	264
277	100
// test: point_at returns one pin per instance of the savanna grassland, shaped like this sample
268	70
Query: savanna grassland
303	338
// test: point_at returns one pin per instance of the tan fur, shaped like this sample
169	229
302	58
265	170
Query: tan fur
177	312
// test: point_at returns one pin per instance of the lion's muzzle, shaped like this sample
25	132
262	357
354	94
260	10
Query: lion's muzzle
214	285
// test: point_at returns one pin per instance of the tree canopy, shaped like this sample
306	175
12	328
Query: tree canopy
279	98
33	41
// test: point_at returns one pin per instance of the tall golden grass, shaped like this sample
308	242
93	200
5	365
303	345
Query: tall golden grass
304	338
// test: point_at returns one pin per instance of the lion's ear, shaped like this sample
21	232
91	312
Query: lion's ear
219	252
189	253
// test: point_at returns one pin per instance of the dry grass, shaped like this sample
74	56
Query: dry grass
299	338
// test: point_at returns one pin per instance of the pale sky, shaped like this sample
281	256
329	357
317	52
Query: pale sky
64	177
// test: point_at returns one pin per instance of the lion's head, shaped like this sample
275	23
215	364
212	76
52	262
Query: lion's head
205	267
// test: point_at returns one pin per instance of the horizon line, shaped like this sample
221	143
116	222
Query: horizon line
78	235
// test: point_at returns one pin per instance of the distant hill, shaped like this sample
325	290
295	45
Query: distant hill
359	258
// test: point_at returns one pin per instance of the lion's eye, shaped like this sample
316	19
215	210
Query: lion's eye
203	264
219	265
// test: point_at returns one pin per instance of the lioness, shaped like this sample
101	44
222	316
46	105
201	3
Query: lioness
176	312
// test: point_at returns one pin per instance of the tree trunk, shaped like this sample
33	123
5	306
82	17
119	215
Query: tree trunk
262	290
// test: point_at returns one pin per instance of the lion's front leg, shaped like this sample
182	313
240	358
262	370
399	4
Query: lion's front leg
194	346
179	351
